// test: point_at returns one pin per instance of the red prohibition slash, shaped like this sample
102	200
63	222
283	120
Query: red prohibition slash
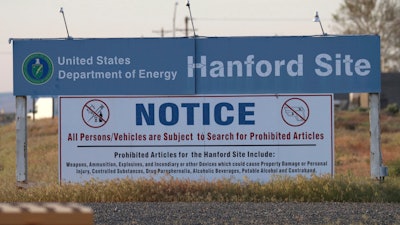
95	113
295	112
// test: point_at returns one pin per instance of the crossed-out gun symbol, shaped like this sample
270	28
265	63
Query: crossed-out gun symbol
297	112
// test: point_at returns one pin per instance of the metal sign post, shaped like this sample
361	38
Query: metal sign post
21	138
378	171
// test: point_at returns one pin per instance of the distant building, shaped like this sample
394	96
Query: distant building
390	89
390	93
43	108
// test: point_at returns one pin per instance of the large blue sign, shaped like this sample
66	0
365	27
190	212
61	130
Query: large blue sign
323	64
102	66
185	66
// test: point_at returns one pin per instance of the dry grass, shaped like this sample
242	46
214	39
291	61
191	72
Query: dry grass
351	182
352	144
342	188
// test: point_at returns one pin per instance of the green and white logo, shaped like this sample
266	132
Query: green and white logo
37	68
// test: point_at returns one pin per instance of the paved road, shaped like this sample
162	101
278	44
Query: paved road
245	213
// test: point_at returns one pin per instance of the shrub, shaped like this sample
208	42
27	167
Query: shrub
394	169
392	109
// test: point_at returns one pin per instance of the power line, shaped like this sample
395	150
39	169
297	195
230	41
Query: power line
244	19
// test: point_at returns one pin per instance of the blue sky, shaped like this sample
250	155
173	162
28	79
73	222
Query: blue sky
143	18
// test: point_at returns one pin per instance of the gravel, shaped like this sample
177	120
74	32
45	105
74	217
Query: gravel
244	213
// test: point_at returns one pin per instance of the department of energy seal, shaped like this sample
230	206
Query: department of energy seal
37	68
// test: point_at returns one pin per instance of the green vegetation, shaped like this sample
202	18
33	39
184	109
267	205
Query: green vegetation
351	182
392	109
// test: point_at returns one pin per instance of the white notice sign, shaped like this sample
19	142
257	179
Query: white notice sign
195	137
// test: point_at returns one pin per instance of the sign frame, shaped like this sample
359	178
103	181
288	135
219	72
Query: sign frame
327	46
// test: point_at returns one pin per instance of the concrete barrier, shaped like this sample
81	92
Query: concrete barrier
45	214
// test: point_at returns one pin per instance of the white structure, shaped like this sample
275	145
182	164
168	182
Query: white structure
44	108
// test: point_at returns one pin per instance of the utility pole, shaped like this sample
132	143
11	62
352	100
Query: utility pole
186	30
162	32
186	26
